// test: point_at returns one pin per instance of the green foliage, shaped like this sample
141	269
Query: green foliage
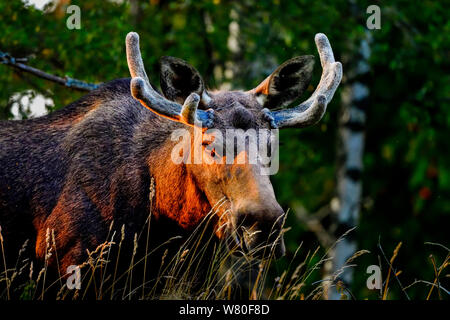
406	174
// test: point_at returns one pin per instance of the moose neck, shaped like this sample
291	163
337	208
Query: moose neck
177	195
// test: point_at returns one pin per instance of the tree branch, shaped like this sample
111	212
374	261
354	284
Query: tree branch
314	224
16	63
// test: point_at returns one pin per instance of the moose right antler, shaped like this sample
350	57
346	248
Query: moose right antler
142	90
312	110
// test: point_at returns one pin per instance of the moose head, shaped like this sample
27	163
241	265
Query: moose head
249	213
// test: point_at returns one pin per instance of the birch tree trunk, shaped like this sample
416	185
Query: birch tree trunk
350	148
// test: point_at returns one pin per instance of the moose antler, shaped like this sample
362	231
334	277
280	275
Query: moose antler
142	90
312	110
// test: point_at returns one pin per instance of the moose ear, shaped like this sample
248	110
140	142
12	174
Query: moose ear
178	80
286	83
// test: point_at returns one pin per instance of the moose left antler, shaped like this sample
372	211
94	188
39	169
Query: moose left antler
142	90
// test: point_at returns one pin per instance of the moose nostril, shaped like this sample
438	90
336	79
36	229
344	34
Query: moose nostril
267	223
246	219
249	216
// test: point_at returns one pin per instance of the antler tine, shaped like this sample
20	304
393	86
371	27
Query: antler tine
142	90
150	99
312	110
332	71
189	109
134	58
324	48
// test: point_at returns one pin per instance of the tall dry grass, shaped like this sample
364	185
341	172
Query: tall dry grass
191	272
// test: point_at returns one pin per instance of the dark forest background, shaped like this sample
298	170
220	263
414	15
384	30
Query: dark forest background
235	45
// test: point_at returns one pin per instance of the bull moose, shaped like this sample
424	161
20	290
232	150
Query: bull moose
77	170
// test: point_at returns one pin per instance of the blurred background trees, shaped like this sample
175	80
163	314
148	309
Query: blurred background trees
235	45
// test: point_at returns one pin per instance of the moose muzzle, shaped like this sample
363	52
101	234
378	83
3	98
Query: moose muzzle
258	229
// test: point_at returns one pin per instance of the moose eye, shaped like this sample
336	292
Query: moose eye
208	141
209	147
